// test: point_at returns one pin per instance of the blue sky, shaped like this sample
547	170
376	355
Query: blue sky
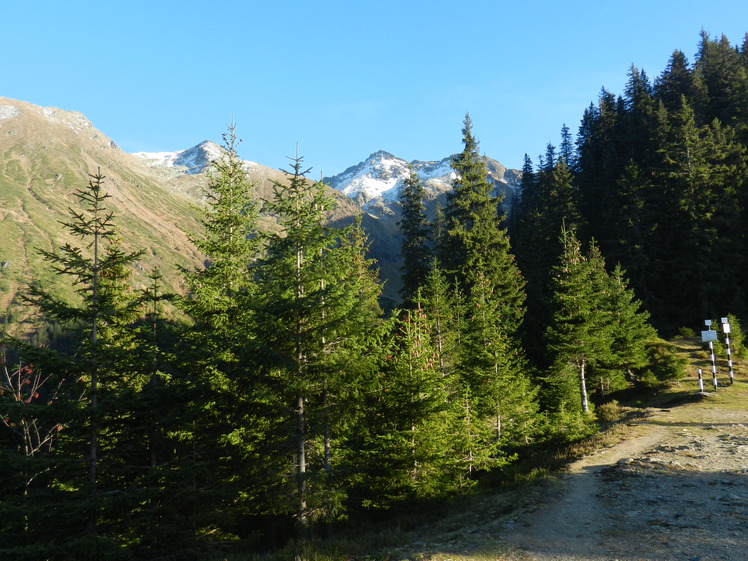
342	78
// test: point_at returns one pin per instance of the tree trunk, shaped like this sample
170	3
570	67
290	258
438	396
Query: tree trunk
301	464
93	403
583	388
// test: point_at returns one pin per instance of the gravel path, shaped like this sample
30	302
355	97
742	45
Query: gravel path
677	491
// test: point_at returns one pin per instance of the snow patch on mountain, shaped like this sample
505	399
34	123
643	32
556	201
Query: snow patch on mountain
378	179
381	175
191	161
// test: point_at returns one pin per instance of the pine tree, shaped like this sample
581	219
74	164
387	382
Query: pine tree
415	250
579	333
475	245
104	313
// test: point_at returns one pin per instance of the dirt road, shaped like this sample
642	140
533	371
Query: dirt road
678	491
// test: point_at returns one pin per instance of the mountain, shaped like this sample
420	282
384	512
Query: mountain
183	168
192	161
372	186
376	182
46	154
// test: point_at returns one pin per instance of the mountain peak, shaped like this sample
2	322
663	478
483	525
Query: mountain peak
379	178
23	118
380	155
376	177
194	160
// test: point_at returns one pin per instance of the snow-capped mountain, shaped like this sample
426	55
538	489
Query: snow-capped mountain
192	161
376	182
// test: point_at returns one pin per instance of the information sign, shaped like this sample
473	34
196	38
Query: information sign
709	335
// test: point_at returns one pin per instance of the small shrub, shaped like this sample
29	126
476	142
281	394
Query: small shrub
664	361
686	333
608	412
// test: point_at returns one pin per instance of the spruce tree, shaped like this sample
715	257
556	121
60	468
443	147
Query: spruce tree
568	152
701	174
225	414
482	270
578	335
414	225
552	198
230	244
675	82
632	239
638	121
494	374
600	160
313	327
101	369
724	80
408	433
475	245
443	306
631	332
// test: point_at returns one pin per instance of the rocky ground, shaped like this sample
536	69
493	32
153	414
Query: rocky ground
676	490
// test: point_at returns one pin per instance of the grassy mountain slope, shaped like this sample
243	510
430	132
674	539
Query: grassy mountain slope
46	154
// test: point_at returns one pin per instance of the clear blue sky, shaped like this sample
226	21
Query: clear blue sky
342	78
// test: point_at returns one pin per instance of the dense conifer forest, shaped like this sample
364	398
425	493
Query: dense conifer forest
275	401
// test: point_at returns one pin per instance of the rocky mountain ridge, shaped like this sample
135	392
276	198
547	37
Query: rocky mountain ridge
374	184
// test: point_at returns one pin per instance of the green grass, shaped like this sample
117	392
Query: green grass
36	191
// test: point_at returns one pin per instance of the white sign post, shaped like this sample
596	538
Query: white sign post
726	331
709	336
